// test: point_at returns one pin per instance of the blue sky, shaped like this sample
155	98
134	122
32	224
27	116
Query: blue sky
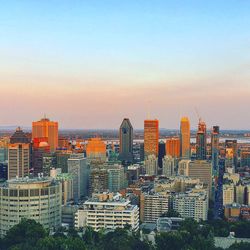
177	55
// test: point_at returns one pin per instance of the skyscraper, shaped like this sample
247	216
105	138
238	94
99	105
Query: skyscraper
201	141
46	128
126	141
185	138
215	148
96	150
161	152
18	155
202	170
173	147
232	152
78	168
39	148
151	137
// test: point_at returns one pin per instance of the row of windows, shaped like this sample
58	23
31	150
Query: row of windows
31	192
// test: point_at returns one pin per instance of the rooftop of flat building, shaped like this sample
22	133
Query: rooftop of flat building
23	182
107	198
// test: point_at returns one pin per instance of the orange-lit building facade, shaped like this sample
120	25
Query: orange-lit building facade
173	147
151	137
46	128
96	149
185	138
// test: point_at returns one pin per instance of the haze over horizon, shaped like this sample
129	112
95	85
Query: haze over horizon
89	64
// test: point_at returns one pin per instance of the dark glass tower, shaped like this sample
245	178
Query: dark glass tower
201	141
161	152
126	142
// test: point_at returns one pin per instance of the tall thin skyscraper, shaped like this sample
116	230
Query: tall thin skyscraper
215	148
185	138
161	153
151	137
18	155
46	128
201	141
126	141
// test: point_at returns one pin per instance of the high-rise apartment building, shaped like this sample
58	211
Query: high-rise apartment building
185	138
46	128
183	167
191	204
173	147
98	180
151	137
39	199
201	141
202	170
168	166
78	168
126	141
18	155
228	194
151	165
153	205
116	178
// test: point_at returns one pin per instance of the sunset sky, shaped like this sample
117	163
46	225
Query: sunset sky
89	64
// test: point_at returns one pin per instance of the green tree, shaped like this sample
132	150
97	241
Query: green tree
171	213
27	232
169	240
240	246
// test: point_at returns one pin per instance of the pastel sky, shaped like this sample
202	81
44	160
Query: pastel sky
88	64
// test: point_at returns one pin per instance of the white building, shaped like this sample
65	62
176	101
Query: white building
191	204
183	167
153	205
168	165
39	199
79	169
107	211
151	165
228	194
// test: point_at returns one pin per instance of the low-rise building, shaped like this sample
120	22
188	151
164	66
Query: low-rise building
107	211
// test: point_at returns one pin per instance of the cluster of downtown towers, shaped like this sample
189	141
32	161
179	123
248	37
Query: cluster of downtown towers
178	147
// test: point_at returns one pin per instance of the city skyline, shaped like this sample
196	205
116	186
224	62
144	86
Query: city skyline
84	62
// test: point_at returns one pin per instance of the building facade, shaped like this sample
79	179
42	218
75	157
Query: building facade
185	138
126	141
107	211
39	199
151	137
46	128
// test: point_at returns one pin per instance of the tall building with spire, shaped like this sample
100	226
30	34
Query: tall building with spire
185	138
151	137
46	128
201	141
126	141
18	155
